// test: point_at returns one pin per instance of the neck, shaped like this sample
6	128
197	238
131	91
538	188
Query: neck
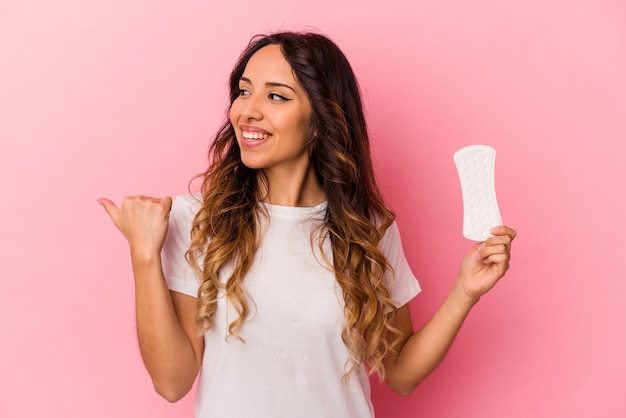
301	189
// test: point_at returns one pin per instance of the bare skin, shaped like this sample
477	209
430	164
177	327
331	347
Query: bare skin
170	345
169	341
420	352
167	333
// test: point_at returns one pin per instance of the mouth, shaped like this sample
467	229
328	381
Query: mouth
254	136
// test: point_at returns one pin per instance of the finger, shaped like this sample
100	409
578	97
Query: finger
479	251
111	209
502	235
500	240
162	206
496	259
493	252
504	230
166	202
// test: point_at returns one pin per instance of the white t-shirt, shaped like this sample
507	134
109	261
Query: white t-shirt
293	358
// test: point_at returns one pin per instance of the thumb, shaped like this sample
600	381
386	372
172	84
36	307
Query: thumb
473	259
111	209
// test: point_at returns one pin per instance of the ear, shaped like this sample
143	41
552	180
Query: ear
312	139
312	135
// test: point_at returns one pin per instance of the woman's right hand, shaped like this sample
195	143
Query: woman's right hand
168	337
143	221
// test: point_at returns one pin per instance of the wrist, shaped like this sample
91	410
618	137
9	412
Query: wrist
142	257
462	298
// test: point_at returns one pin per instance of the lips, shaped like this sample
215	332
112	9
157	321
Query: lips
254	136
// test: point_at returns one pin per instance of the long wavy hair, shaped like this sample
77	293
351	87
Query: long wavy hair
225	229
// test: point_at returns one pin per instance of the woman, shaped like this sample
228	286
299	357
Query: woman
285	279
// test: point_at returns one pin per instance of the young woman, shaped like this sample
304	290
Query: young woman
284	279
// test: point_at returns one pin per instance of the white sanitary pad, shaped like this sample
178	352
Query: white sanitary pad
475	165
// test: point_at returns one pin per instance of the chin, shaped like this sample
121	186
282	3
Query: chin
254	165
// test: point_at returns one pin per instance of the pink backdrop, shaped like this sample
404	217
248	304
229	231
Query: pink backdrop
114	98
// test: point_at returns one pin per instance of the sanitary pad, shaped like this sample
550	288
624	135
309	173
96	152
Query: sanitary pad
475	165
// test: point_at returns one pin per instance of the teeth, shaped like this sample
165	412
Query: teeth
254	135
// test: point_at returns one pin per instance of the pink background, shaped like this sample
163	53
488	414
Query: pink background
113	98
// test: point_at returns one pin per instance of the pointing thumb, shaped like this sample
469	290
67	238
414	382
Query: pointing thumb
111	209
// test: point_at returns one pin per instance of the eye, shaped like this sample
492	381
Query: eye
277	97
243	92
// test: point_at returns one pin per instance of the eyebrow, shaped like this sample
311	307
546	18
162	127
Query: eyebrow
270	84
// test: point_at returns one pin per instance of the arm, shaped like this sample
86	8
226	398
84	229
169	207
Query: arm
417	354
168	339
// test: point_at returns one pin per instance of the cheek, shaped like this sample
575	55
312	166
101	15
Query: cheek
297	122
233	113
307	122
233	117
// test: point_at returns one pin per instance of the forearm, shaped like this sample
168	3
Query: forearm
424	350
165	347
419	353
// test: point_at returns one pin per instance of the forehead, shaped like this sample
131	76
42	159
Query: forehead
269	64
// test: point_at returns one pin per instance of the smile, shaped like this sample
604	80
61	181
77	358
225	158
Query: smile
254	136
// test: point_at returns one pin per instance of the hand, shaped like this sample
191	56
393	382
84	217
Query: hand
485	264
142	220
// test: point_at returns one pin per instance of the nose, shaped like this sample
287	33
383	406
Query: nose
251	107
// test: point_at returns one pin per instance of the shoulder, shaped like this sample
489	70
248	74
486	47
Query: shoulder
391	235
185	207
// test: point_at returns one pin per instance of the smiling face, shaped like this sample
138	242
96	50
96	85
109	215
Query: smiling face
272	115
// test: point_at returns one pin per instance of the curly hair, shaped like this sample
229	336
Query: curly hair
225	229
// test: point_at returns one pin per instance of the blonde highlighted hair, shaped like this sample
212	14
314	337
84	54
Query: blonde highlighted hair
225	229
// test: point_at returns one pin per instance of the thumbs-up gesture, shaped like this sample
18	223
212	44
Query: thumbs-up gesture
143	221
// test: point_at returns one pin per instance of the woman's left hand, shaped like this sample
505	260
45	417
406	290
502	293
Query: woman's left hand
485	264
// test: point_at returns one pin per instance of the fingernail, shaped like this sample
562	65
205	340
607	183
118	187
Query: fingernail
494	230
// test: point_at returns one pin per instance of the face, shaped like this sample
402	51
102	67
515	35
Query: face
272	115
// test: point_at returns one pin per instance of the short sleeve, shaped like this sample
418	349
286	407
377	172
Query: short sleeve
403	285
179	275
